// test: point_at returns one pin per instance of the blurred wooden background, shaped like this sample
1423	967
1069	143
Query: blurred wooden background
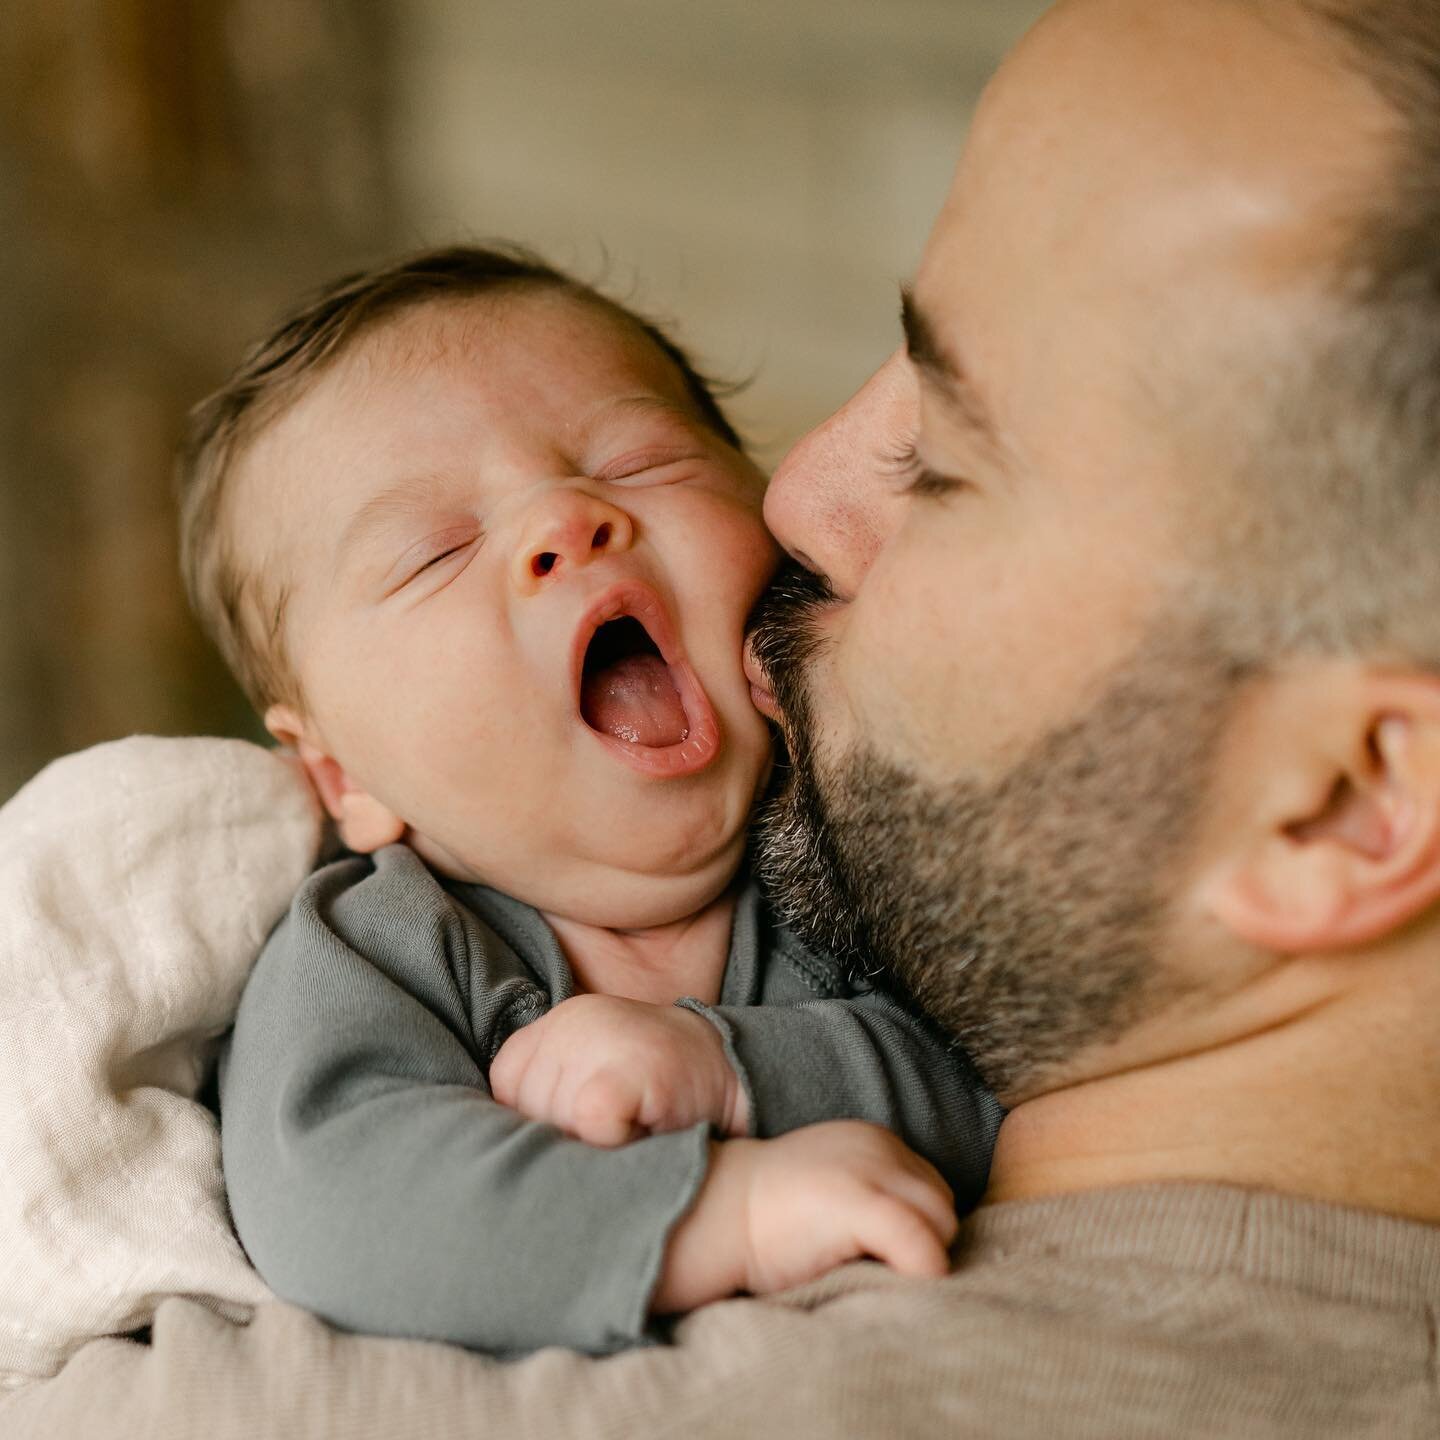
174	172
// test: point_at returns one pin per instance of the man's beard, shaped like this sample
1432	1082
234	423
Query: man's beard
1024	914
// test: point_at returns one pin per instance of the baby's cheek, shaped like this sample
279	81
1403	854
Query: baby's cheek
729	556
754	553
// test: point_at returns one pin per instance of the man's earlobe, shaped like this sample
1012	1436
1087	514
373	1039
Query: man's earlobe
364	823
1350	851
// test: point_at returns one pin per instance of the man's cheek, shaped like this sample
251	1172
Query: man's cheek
886	659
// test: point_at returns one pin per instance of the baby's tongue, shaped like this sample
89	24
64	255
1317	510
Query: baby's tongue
635	699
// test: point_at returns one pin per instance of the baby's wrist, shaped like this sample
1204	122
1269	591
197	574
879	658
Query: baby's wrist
707	1256
732	1112
735	1116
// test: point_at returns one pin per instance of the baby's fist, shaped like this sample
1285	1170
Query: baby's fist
608	1070
776	1213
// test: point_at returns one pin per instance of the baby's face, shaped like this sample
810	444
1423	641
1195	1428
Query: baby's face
520	566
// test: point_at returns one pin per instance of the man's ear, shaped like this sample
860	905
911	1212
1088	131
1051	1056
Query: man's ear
363	822
1342	775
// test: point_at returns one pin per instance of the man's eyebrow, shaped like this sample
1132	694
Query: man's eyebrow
943	371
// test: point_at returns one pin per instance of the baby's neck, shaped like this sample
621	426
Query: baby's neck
658	964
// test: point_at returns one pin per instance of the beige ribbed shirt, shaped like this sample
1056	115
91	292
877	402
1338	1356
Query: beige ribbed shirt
1161	1311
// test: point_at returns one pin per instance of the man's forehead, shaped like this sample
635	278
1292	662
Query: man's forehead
1139	166
1124	103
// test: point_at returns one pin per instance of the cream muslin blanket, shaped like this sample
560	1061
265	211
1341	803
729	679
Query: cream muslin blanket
138	881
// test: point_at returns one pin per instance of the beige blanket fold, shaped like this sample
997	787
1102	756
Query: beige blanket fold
138	881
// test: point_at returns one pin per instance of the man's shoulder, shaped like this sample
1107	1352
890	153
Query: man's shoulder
1171	1310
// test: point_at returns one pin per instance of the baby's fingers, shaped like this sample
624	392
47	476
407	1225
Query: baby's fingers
925	1192
903	1238
603	1112
507	1069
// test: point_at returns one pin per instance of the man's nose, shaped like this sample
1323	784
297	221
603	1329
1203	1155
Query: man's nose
565	529
831	503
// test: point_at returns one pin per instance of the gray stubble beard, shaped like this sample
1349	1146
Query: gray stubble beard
1024	915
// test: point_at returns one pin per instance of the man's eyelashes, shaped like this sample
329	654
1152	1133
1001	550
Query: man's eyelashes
915	477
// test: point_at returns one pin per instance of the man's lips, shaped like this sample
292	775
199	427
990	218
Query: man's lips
638	601
761	696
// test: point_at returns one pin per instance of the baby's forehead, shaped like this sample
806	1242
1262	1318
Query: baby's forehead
541	354
519	333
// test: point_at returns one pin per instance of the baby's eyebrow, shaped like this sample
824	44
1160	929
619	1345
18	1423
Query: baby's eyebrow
635	405
410	494
397	501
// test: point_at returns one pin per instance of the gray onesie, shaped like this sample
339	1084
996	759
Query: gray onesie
375	1181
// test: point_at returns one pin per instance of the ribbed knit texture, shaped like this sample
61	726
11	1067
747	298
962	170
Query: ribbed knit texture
1168	1311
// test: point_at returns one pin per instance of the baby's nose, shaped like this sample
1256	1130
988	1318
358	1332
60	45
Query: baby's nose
564	529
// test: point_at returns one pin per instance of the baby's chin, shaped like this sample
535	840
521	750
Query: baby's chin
615	890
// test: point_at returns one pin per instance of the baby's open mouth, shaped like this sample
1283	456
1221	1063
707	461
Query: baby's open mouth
636	691
626	689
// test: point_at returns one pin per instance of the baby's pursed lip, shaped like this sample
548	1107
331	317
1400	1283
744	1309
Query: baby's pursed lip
761	695
638	601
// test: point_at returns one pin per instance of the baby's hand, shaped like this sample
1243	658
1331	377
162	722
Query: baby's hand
776	1213
607	1071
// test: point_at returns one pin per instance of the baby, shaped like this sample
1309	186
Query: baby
532	1064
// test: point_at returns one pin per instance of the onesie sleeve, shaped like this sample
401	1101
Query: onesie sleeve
863	1056
373	1179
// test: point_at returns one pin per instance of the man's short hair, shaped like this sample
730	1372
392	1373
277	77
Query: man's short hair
242	610
1339	547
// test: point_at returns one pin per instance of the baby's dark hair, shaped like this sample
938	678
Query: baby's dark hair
241	610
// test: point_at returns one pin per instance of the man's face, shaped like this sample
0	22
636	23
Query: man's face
1005	719
520	565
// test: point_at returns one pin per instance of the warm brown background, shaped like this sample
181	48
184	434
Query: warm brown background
173	172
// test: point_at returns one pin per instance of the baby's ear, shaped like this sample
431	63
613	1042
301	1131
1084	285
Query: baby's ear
365	823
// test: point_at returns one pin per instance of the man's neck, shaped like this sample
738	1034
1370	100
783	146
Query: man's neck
658	964
1339	1103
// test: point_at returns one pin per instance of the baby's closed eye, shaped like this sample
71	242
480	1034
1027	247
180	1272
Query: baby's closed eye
433	552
